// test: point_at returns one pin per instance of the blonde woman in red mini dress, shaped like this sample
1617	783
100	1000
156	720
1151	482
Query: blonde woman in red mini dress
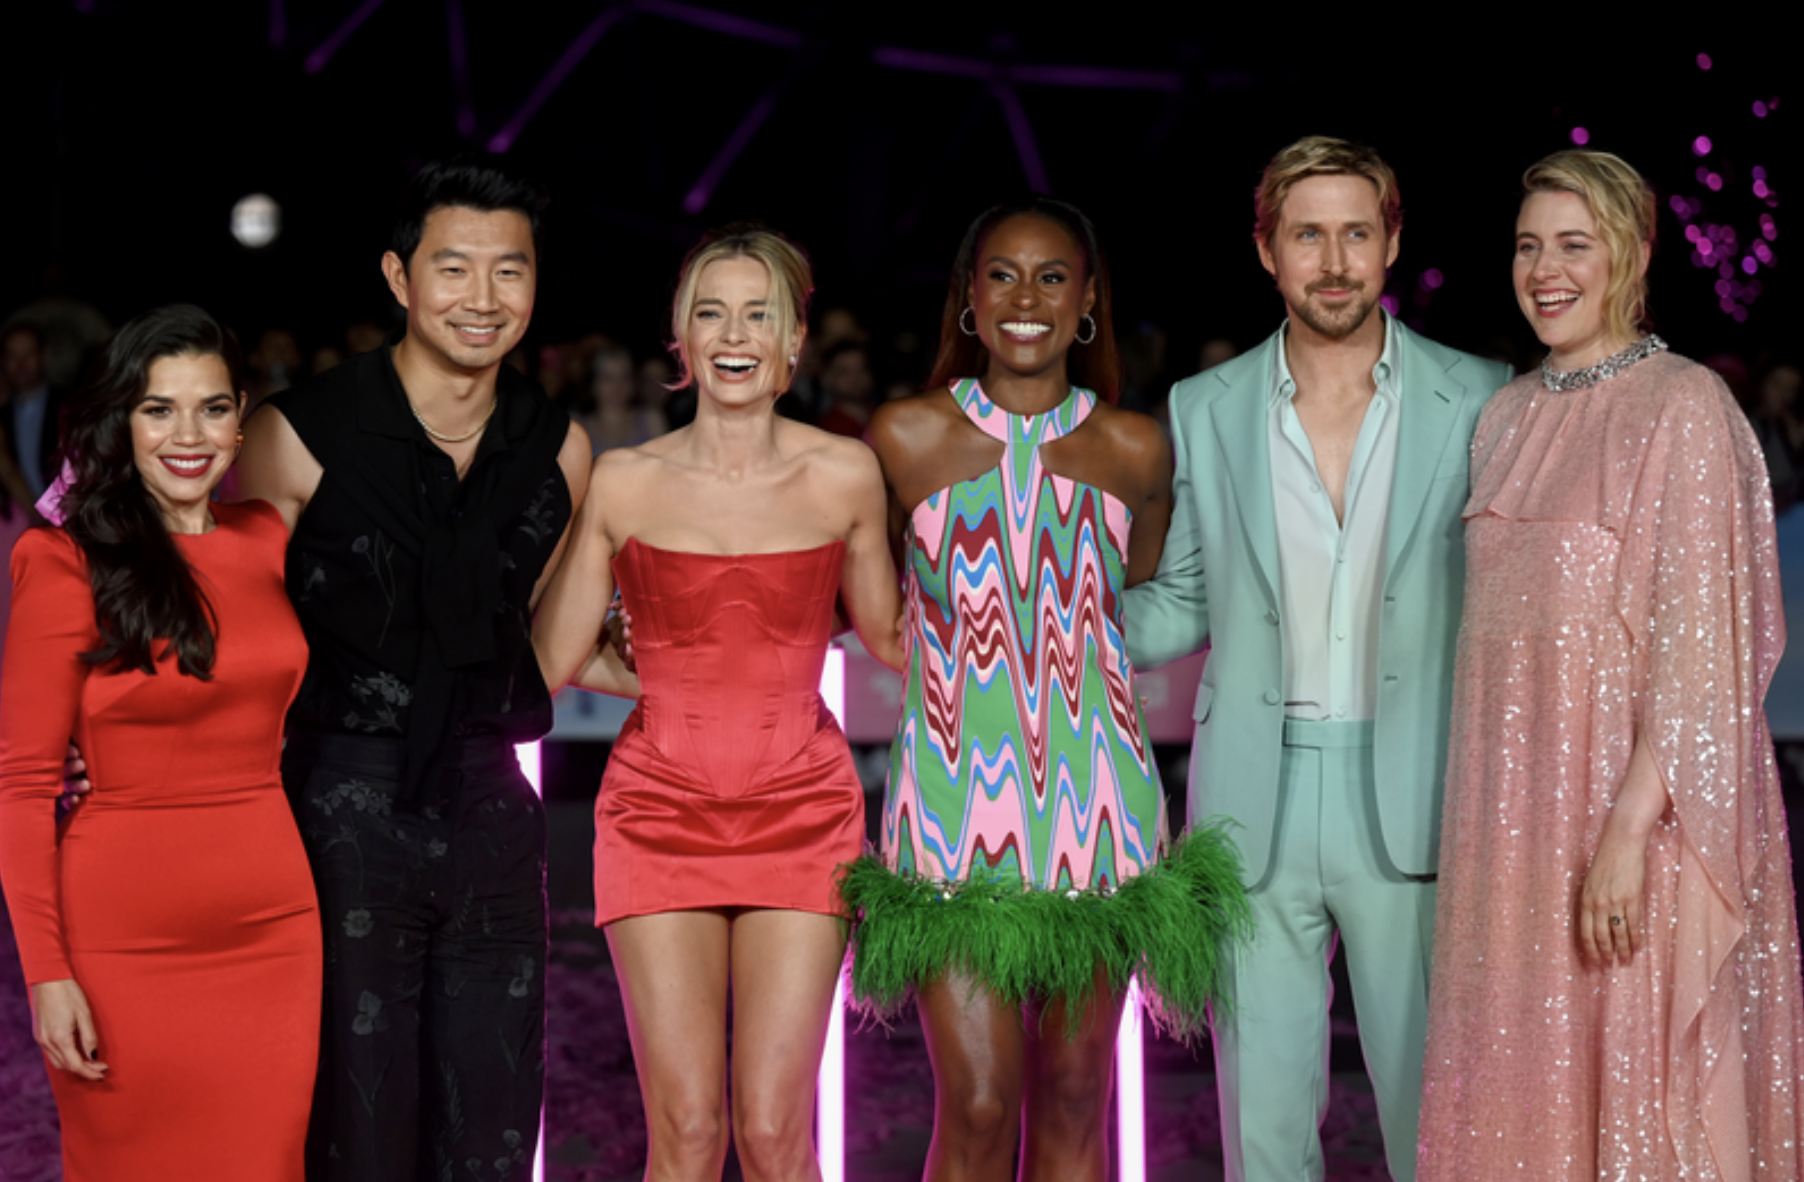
730	798
169	931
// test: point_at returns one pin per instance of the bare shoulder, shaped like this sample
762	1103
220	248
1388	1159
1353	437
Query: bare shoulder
623	469
1135	436
845	461
915	426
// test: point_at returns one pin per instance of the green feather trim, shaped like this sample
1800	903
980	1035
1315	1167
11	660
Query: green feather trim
1176	927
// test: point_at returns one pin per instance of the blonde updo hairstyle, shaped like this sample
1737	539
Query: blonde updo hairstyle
1624	207
791	285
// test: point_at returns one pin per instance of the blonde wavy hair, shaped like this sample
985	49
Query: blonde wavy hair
791	285
1321	155
1625	209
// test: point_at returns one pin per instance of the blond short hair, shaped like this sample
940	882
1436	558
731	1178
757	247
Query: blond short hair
791	285
1321	155
1624	207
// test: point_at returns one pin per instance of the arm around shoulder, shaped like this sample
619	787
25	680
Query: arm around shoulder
275	466
567	626
1167	616
576	463
868	585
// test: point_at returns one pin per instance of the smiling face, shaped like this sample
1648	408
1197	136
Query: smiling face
731	345
1329	252
1030	292
469	287
1562	277
185	434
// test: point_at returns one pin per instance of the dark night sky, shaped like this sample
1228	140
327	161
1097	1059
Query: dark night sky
132	132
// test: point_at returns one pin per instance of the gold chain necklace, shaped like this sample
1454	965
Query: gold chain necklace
472	433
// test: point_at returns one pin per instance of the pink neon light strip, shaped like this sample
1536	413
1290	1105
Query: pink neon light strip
528	755
830	1085
1130	1092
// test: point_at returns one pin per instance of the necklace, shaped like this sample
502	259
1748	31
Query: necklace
1609	367
472	433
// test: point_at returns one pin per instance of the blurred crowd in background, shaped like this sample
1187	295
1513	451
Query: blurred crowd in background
622	395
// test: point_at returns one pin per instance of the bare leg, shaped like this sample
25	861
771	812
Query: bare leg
673	978
785	967
1068	1083
975	1043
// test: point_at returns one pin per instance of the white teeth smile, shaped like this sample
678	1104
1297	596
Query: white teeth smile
484	331
1553	299
736	364
186	465
1023	328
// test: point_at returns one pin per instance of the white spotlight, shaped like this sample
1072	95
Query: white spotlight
256	220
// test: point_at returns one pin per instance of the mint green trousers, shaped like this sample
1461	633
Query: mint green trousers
1329	881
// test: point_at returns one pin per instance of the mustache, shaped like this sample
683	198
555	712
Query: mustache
1338	283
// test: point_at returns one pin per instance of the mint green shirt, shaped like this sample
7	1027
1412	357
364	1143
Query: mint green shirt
1332	570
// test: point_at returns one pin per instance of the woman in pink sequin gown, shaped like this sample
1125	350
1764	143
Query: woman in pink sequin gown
1616	974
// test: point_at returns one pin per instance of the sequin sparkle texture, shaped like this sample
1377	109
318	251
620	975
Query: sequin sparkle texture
1622	580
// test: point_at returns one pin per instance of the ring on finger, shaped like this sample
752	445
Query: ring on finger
1616	921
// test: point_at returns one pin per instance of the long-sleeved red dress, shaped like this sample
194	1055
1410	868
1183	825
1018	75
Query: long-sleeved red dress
177	895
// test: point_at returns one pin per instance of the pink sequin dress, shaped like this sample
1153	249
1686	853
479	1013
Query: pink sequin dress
1621	578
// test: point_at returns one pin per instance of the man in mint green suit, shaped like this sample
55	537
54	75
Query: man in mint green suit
1316	547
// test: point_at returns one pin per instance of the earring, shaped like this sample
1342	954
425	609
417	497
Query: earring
239	446
972	331
792	361
1092	336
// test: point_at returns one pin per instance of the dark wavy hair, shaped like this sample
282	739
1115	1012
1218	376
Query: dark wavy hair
144	590
1095	366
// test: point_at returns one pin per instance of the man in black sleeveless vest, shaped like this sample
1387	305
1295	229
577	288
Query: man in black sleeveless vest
427	487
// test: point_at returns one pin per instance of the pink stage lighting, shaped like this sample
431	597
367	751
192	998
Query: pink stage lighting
830	1085
528	755
1130	1092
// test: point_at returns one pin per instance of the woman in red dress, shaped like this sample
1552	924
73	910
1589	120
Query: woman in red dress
730	799
168	929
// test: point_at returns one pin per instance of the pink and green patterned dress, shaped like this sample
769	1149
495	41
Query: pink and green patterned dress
1024	828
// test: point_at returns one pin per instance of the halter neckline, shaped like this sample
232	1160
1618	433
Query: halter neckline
1000	424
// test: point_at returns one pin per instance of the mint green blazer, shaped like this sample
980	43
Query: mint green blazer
1217	584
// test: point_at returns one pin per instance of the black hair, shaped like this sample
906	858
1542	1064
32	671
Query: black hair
465	182
144	589
1094	366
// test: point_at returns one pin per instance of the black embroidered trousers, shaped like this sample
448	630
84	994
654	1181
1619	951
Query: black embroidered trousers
432	1044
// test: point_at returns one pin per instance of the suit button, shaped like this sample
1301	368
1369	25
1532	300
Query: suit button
1271	617
1271	697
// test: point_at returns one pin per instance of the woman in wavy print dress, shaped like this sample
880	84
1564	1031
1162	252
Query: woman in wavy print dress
1026	872
169	931
1616	979
730	798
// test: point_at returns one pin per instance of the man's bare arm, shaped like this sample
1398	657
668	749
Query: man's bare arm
275	466
574	460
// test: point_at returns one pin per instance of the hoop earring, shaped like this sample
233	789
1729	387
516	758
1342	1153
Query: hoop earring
1092	336
972	331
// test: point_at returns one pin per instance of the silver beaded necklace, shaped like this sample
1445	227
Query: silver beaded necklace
1609	367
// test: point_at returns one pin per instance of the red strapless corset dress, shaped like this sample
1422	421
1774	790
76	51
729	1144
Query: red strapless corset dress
730	785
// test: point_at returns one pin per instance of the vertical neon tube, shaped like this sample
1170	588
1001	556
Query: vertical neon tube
830	1084
1130	1092
528	755
829	1094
